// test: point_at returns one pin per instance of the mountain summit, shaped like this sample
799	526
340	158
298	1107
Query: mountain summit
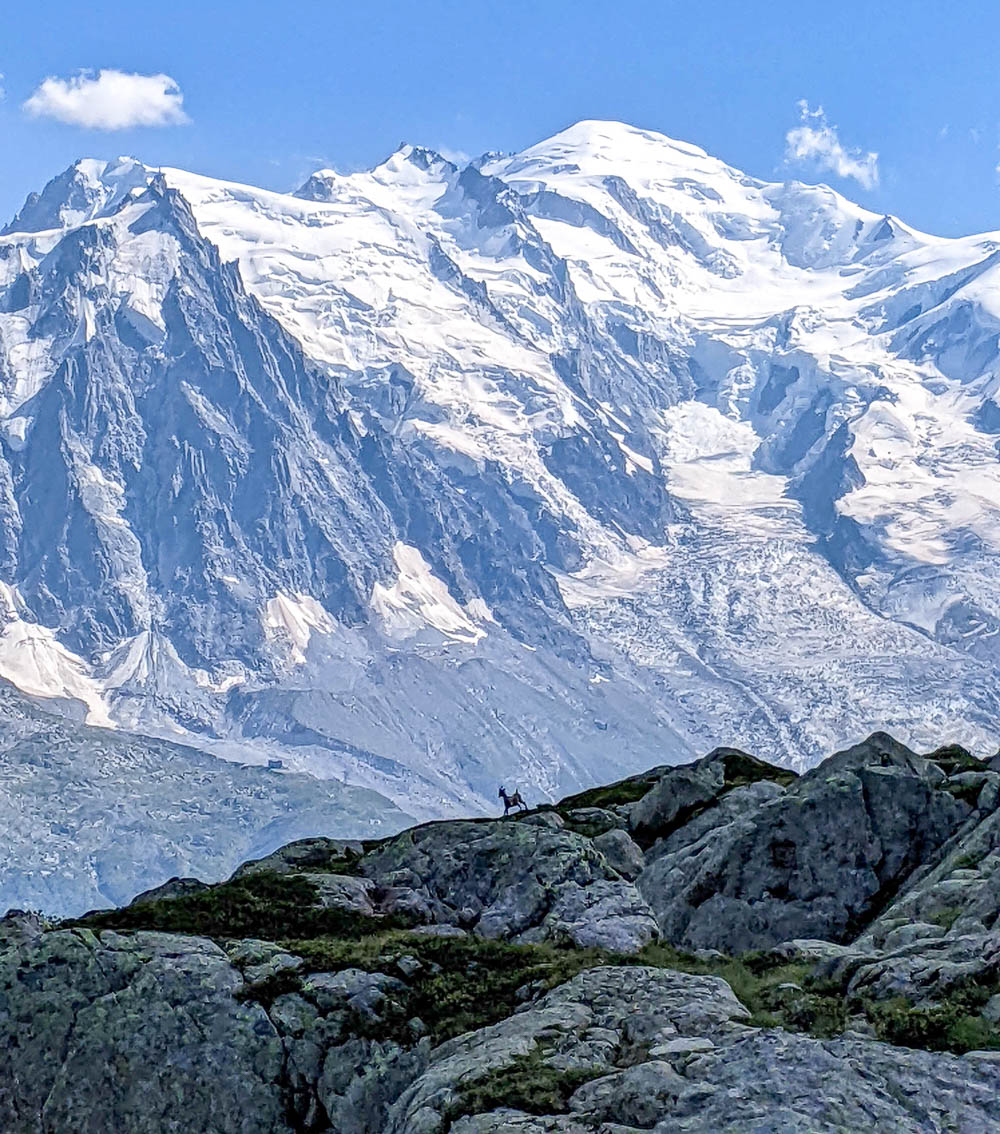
538	470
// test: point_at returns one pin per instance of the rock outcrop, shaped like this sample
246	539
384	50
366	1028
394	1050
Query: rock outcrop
674	1052
721	946
816	859
137	1032
528	881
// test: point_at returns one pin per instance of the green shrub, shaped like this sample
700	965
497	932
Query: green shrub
953	1023
268	990
969	861
528	1084
945	918
741	769
967	793
755	979
265	905
953	758
463	982
623	791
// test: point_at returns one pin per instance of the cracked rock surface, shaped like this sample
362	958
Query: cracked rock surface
719	947
140	1033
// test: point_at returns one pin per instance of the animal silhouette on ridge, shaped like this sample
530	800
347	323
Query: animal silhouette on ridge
513	799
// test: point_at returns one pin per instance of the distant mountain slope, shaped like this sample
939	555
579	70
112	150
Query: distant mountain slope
721	945
538	470
87	814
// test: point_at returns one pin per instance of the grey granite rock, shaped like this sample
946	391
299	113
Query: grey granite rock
713	1074
304	854
343	892
621	852
517	881
139	1033
597	819
814	861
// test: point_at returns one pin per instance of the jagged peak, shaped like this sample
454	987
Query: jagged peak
407	164
318	186
89	188
421	156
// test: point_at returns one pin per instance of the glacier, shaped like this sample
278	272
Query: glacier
537	470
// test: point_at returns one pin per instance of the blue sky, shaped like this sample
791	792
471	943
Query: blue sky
271	92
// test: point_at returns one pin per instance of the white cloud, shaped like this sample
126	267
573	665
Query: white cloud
456	157
3	89
815	140
111	100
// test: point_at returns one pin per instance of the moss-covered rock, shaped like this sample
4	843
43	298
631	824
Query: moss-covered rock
265	905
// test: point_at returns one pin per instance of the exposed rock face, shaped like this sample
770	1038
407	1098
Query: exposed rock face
672	1052
871	883
139	1033
304	854
941	932
340	1080
520	881
602	1020
817	859
681	793
621	853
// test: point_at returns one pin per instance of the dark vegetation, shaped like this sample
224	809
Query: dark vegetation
953	758
528	1083
465	983
967	793
740	769
952	1024
456	984
265	905
623	791
462	983
268	990
946	918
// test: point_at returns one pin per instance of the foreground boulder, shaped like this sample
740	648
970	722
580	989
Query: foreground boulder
719	946
818	858
141	1033
156	1032
644	1049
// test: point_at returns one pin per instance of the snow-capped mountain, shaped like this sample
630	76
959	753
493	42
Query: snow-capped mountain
539	470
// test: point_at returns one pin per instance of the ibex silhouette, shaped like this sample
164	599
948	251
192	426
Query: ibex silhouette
512	800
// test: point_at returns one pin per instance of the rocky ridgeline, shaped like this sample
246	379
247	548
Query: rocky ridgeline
719	946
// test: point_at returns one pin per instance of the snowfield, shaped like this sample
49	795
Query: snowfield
540	470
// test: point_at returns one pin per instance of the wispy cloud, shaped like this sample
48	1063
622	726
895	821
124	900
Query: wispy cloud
815	141
456	157
3	89
110	100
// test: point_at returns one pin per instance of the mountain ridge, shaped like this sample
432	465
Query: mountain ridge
681	949
539	469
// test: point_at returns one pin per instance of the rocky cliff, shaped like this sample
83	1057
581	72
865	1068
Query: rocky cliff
718	946
548	467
